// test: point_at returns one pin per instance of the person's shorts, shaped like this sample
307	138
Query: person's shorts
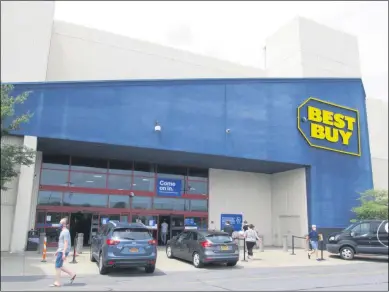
59	260
314	245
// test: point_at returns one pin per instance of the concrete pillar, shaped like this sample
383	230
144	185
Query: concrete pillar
261	243
35	188
21	220
285	243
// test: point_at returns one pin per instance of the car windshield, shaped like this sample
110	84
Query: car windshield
132	233
219	238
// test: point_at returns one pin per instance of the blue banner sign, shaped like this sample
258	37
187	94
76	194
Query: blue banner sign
189	222
169	187
235	221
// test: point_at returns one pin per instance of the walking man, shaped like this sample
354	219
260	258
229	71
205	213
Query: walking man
313	238
64	244
228	228
164	229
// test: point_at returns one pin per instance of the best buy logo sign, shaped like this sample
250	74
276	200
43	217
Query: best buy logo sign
329	126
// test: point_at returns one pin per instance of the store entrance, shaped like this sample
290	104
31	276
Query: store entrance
81	223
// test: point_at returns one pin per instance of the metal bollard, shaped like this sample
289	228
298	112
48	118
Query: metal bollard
261	243
41	241
80	242
285	243
244	250
74	251
44	250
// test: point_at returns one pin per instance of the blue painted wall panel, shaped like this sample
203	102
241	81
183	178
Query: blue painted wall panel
194	115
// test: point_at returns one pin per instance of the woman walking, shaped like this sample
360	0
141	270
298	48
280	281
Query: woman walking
251	238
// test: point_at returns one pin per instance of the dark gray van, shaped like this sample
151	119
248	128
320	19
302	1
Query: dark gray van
365	237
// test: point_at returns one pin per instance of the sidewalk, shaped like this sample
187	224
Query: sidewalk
29	263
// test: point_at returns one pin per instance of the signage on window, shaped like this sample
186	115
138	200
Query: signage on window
169	187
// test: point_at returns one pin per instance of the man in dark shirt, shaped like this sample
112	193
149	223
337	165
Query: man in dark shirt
313	238
245	225
228	228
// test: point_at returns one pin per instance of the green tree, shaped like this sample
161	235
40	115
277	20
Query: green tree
12	155
374	205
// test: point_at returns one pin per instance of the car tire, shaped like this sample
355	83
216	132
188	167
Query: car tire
196	260
347	253
150	269
103	270
231	264
92	258
169	252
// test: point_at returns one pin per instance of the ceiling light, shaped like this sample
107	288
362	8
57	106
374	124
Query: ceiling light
145	179
89	181
97	176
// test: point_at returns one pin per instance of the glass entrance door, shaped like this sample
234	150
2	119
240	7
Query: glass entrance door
46	221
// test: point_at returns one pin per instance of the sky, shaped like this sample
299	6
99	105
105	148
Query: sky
236	30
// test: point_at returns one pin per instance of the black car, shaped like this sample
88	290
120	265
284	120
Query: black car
203	247
365	237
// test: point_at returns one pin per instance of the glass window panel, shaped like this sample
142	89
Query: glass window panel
120	167
196	187
41	217
52	235
169	204
119	182
87	180
89	164
53	217
56	161
141	203
123	218
144	169
85	200
54	177
49	198
119	201
199	205
143	184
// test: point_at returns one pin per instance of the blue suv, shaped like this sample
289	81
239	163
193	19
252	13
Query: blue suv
124	245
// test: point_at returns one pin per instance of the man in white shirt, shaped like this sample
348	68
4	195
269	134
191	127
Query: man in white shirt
164	229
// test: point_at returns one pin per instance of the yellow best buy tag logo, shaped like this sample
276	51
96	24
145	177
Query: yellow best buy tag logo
329	126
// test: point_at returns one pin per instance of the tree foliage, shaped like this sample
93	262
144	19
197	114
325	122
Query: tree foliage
12	155
374	205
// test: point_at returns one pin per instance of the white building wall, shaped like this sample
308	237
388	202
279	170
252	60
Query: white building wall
377	113
306	49
80	53
289	206
235	192
25	40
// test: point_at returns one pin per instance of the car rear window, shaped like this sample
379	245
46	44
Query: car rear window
132	233
219	238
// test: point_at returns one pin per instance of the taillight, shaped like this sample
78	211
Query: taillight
112	242
152	242
205	244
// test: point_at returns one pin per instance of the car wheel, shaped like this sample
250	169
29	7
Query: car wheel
92	258
231	264
197	261
169	252
347	253
102	269
150	269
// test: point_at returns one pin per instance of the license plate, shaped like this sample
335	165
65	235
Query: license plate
134	249
224	247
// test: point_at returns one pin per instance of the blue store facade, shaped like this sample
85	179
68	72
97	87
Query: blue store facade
256	125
